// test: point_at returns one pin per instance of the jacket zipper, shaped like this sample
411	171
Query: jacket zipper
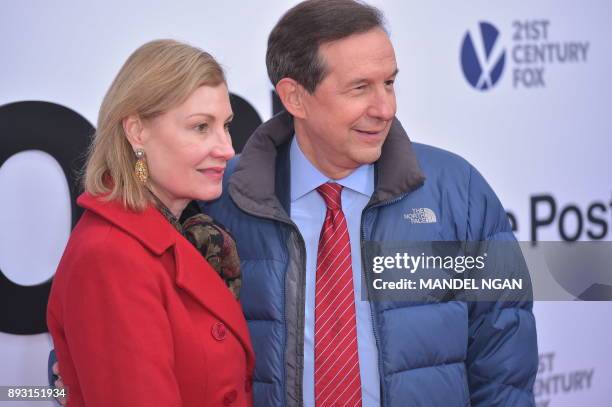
300	373
363	271
302	286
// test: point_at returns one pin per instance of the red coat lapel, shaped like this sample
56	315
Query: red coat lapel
196	277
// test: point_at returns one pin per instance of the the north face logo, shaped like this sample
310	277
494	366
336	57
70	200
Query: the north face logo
421	215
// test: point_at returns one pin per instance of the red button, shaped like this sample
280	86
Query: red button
218	331
230	397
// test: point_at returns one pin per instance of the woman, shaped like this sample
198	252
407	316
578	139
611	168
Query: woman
138	316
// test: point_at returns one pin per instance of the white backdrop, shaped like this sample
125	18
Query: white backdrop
554	137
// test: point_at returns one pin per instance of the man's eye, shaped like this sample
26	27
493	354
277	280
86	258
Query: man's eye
390	82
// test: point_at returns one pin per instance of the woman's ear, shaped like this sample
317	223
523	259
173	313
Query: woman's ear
134	131
291	95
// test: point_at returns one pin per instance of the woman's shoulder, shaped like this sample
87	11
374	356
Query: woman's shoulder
147	227
101	261
94	233
95	241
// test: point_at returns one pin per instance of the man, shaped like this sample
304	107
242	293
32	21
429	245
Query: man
315	183
333	67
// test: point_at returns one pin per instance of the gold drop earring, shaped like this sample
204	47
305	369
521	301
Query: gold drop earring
140	169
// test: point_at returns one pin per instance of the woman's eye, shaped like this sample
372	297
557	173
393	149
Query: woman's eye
227	126
202	127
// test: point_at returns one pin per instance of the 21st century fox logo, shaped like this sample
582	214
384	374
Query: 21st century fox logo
530	51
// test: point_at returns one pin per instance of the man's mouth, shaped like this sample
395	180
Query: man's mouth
372	132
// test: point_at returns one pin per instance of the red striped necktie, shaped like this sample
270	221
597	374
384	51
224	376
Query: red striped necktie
337	380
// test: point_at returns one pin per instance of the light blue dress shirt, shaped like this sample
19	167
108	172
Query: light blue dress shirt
308	213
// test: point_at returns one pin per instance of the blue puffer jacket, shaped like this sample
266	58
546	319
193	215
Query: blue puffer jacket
445	354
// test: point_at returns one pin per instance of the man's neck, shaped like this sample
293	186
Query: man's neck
319	159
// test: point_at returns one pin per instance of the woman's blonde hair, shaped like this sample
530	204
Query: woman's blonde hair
158	76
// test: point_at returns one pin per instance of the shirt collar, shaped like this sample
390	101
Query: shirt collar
305	177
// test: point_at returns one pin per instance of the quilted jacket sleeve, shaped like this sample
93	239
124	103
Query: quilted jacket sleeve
502	357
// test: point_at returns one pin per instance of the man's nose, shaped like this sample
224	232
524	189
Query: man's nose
383	105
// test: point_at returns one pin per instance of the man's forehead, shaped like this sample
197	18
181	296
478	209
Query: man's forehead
358	44
359	54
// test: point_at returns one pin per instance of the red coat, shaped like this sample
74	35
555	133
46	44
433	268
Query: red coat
139	318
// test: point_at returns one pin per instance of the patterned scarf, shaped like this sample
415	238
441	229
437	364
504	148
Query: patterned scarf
214	242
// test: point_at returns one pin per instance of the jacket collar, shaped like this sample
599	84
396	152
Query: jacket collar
260	181
193	274
149	227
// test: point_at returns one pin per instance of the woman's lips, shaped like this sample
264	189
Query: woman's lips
213	172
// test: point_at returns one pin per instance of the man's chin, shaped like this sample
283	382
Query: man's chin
368	155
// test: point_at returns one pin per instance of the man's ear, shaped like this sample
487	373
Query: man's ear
292	96
134	131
